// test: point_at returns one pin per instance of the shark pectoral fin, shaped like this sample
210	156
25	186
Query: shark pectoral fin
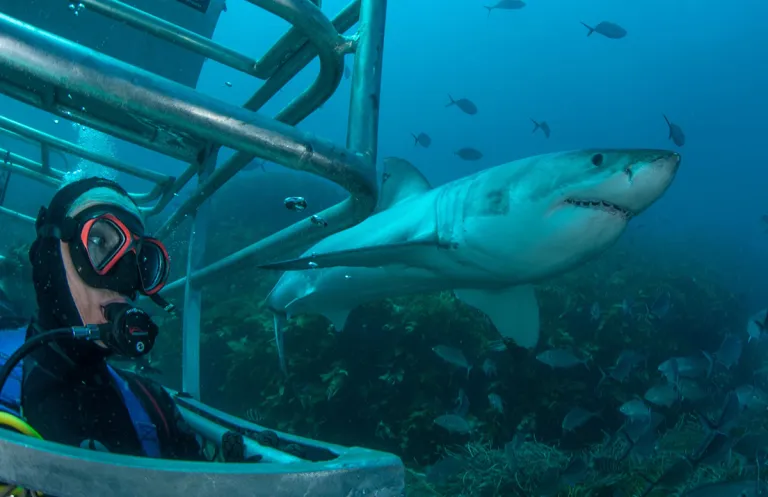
514	311
338	318
375	256
280	321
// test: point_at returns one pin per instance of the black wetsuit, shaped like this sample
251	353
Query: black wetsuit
74	402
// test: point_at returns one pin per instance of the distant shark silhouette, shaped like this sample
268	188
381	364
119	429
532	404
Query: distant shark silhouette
488	236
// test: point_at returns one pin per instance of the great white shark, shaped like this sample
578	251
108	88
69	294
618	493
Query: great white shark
488	236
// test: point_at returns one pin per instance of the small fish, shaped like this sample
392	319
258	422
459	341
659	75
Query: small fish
452	355
497	346
752	397
461	404
576	418
756	325
489	368
661	305
469	153
626	362
675	133
691	390
297	204
543	126
627	306
728	415
635	428
496	403
671	372
560	358
729	352
453	424
595	312
662	395
422	139
347	72
635	409
464	104
689	367
505	5
607	29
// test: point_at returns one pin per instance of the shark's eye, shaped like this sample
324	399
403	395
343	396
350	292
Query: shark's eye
597	159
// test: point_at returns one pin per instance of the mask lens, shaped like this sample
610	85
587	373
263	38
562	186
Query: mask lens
153	265
105	239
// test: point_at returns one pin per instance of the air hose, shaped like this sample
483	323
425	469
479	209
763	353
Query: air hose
32	343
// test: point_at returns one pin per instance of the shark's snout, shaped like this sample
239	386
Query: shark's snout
649	180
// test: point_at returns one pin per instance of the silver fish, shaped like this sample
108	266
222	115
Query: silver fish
452	355
752	397
756	325
662	395
541	125
675	132
560	358
576	418
422	139
691	390
689	367
453	423
464	104
496	403
635	409
729	352
607	29
505	5
489	368
595	312
469	153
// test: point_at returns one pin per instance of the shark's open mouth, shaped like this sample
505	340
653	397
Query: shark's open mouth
600	205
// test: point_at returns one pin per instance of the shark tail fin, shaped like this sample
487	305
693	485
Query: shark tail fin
452	101
536	125
415	139
489	9
280	321
590	28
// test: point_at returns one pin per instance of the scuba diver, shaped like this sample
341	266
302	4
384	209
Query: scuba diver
90	260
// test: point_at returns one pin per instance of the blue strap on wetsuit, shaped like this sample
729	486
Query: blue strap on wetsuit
10	397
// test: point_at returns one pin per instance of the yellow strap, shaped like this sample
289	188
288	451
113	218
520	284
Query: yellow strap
21	426
18	424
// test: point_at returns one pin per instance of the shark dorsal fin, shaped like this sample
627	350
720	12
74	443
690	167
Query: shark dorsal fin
401	180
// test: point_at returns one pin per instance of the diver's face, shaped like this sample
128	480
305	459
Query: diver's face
90	301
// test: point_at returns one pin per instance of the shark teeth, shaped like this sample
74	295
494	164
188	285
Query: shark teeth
600	204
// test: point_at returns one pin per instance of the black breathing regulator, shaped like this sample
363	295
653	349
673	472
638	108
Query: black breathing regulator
129	332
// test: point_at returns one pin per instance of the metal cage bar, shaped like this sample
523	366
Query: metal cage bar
65	78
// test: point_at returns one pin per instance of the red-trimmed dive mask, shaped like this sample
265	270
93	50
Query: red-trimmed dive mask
109	250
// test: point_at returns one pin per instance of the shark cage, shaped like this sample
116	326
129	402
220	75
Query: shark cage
113	77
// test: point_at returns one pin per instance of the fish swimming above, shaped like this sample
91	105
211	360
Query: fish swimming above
675	132
466	105
505	5
487	236
543	126
607	29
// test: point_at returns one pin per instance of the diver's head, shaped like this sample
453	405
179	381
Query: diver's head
91	252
